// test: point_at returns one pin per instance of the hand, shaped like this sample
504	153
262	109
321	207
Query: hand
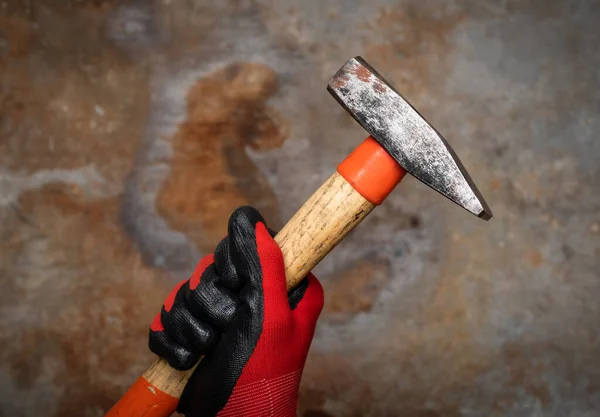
235	309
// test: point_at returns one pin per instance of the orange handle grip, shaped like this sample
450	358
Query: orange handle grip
144	399
362	181
371	171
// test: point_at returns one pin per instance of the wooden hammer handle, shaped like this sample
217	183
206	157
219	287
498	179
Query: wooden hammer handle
320	224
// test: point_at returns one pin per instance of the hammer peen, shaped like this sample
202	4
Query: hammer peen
400	141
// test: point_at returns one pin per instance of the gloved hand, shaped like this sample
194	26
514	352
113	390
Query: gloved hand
235	309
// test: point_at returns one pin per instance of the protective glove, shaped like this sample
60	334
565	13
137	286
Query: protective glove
235	309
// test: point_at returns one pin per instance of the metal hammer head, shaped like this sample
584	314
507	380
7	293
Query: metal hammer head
405	134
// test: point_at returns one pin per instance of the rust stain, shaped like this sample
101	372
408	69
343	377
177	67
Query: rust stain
340	81
416	46
17	33
379	87
311	400
355	288
447	314
70	108
524	374
443	340
97	5
316	413
86	103
91	316
93	323
319	371
495	184
211	174
361	396
362	73
534	257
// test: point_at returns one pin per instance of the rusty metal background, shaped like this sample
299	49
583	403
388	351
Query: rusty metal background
129	130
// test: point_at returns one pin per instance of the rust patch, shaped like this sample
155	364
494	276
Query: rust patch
439	338
211	174
16	34
346	383
524	373
355	288
362	73
495	184
340	81
415	48
311	400
87	297
316	413
96	5
71	107
358	395
534	257
379	87
93	309
65	261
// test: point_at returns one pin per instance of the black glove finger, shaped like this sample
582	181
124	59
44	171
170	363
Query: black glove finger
210	302
224	267
241	255
297	293
185	329
178	356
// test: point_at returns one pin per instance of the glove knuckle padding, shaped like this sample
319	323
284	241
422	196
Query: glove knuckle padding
211	302
224	267
179	357
185	329
182	359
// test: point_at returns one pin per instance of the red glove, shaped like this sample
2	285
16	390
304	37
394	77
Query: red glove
235	309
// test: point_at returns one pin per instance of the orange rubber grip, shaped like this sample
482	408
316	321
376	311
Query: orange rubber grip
144	399
371	171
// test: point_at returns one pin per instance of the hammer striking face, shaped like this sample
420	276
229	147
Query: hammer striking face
405	134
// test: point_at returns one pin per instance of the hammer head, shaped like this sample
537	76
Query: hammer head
405	134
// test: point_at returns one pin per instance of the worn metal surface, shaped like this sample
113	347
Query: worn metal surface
405	134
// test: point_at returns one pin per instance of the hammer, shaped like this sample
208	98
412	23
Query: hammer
400	141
